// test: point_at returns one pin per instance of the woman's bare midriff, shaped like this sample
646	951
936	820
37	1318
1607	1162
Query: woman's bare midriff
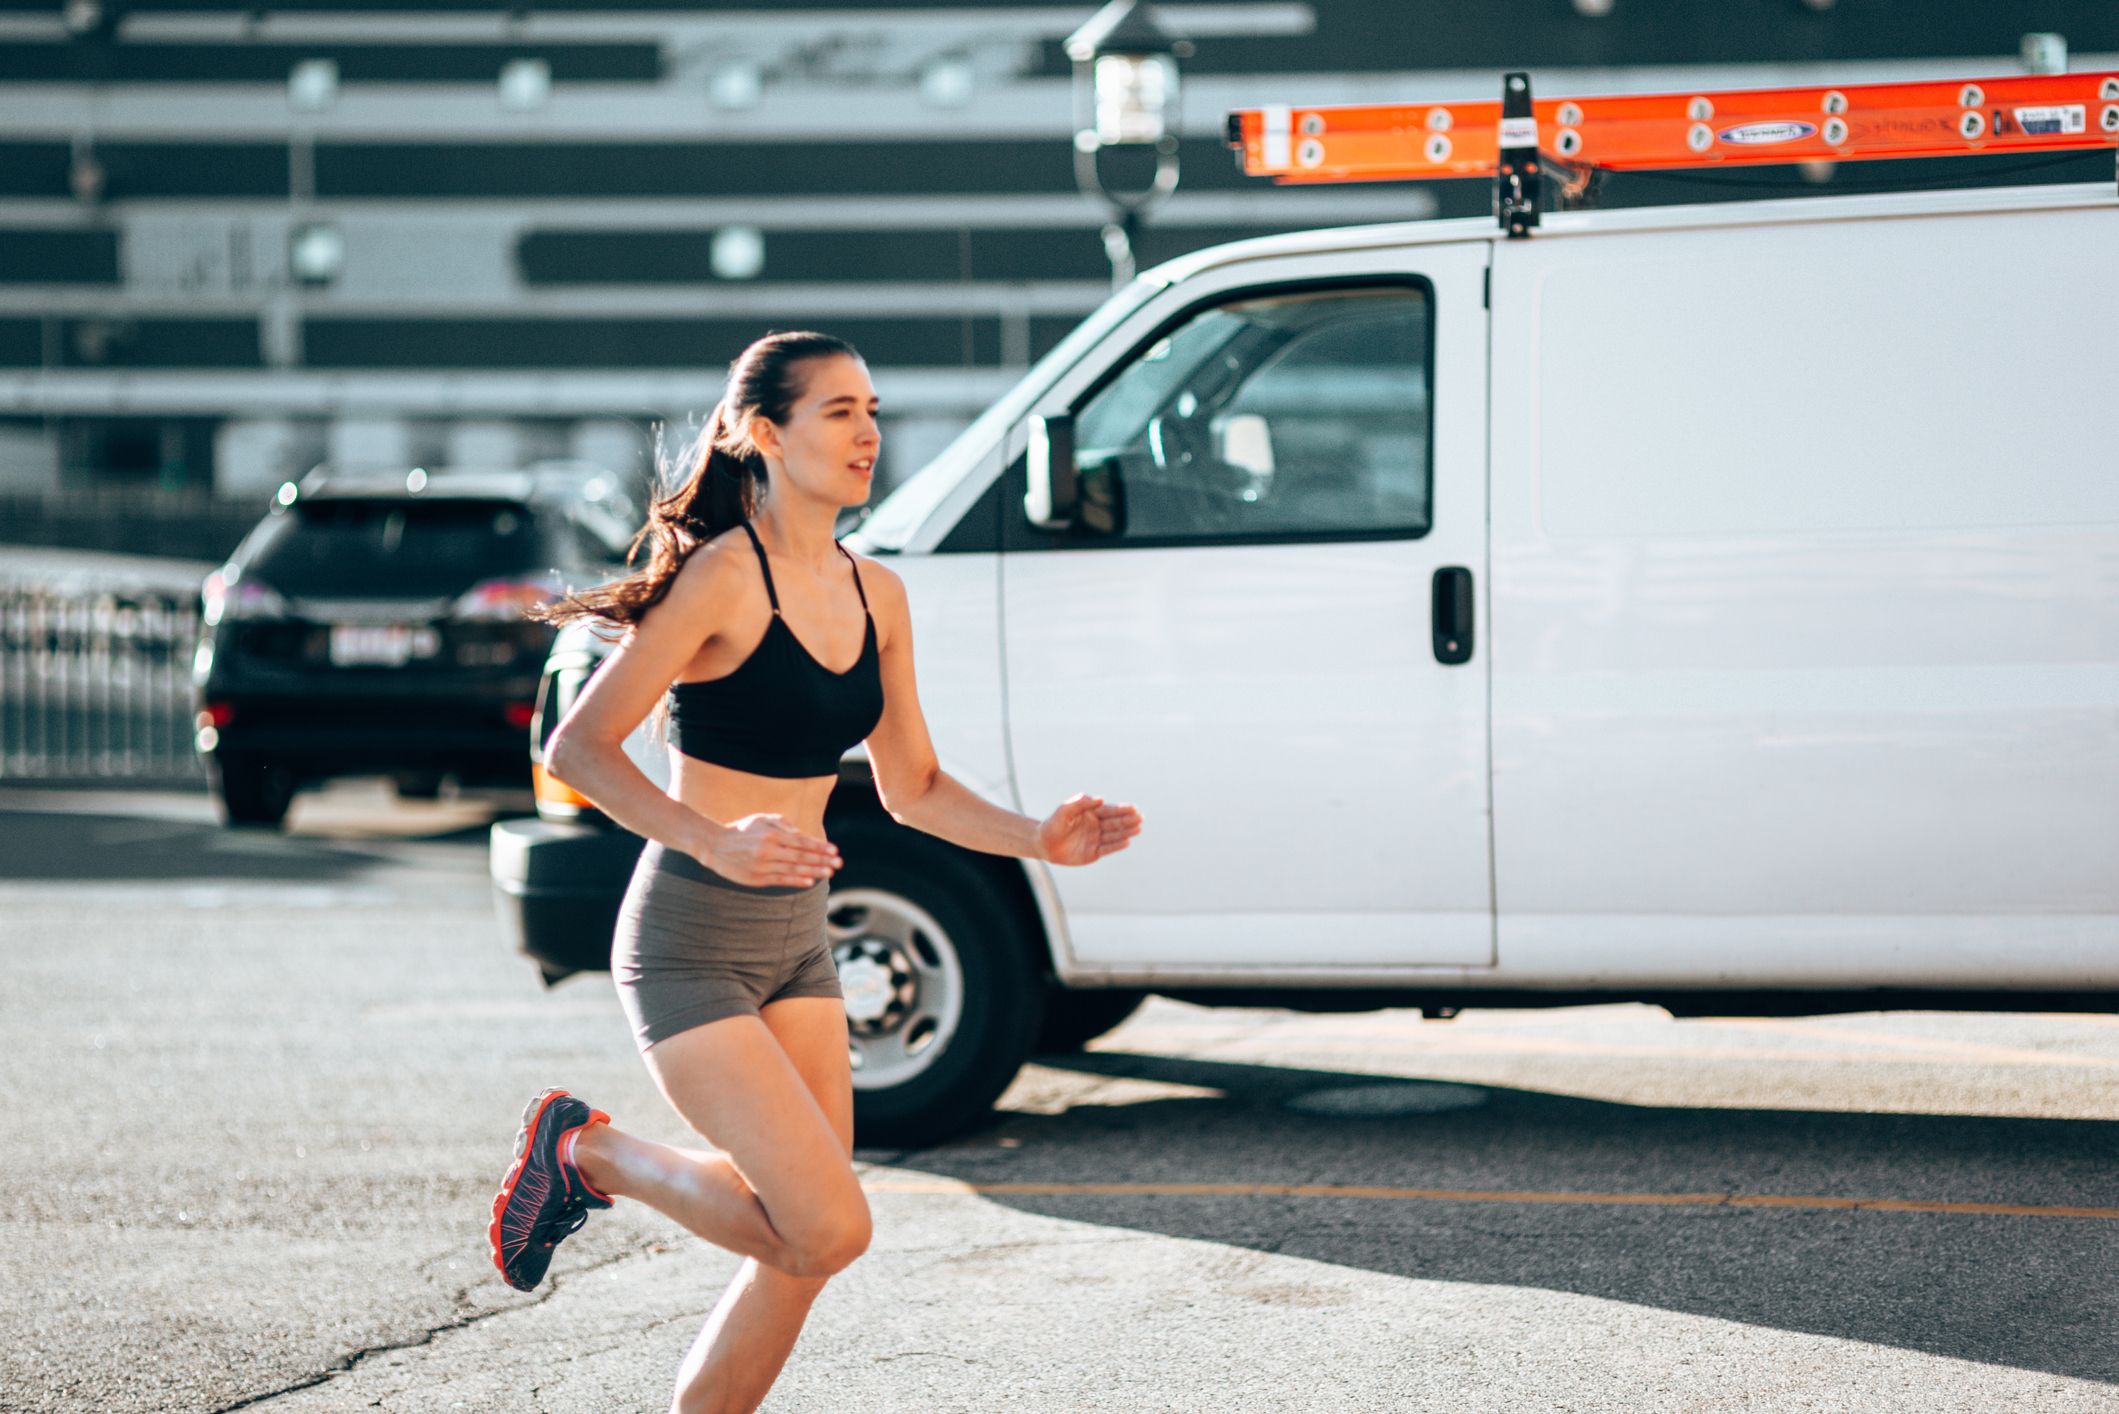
726	796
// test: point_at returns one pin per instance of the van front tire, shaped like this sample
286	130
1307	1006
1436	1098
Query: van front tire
943	996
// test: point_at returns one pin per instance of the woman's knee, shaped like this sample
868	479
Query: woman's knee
830	1242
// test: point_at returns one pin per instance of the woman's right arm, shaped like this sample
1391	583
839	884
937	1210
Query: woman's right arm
587	751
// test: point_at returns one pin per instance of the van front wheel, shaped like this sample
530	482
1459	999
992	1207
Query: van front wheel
943	1000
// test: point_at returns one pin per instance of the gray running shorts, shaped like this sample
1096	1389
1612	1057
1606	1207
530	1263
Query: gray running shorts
694	947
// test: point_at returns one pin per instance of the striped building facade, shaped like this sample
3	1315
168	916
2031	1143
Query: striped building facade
236	240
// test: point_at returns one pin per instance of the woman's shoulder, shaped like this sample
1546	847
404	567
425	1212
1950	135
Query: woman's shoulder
717	575
881	581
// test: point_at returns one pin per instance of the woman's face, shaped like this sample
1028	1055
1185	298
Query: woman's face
826	450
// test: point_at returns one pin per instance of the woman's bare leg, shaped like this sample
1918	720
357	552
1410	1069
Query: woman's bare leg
775	1095
699	1189
739	1352
733	1082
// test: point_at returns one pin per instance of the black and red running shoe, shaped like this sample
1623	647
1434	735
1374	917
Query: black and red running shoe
542	1200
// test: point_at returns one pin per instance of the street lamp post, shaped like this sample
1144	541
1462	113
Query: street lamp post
1125	99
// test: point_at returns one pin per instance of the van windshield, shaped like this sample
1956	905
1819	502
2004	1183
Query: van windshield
907	508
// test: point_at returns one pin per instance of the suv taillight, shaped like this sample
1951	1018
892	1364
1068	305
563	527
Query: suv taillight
229	595
506	599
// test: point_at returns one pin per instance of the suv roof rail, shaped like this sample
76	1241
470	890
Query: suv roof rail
1540	150
455	483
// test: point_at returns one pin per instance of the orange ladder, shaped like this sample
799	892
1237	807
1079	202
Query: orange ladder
1372	142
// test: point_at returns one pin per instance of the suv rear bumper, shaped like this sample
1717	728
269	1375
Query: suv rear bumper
324	735
557	887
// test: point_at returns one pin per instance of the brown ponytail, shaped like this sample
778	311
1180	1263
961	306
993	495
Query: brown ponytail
721	489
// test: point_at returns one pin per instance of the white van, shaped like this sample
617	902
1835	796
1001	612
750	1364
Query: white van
1712	606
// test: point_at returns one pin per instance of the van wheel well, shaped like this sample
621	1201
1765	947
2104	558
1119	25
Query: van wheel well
855	795
1072	1019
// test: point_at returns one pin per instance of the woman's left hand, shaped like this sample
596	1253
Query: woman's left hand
1084	830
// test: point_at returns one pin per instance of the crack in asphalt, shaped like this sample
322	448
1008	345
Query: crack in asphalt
352	1361
349	1362
577	1356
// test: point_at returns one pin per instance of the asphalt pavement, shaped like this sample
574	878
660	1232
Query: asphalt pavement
265	1085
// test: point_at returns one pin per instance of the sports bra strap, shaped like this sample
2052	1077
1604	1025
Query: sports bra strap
759	546
856	564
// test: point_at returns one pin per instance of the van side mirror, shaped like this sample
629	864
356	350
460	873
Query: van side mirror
1054	487
1102	509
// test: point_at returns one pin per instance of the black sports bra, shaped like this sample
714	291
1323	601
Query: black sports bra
781	712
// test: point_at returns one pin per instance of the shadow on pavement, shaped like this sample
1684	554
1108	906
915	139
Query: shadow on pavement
2028	1292
74	846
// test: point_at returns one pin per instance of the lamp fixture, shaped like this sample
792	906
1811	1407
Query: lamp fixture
316	251
86	176
2044	53
738	85
525	84
737	253
90	19
948	82
312	85
1125	97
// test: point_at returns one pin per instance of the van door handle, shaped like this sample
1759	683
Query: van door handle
1453	615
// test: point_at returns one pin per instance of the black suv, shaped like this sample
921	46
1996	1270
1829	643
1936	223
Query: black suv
373	624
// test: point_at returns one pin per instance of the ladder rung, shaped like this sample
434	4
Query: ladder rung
1413	141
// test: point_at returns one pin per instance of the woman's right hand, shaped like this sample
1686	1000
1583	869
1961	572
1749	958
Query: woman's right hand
766	851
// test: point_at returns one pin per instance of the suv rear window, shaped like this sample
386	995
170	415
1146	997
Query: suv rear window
391	549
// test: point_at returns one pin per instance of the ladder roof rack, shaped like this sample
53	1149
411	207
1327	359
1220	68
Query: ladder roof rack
1527	145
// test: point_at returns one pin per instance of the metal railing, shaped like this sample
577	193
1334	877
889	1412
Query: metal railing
115	521
96	683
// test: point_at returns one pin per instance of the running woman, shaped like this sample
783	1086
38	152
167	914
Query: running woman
777	650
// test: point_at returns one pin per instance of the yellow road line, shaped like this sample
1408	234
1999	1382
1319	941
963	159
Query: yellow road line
1479	1195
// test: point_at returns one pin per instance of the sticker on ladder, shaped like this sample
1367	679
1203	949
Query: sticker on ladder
2062	118
1519	132
1759	134
1276	136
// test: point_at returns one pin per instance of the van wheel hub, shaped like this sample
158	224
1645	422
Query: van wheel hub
879	985
903	982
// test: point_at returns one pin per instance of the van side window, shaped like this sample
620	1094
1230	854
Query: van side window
1281	415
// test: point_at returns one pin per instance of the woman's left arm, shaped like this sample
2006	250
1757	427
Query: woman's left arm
919	793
